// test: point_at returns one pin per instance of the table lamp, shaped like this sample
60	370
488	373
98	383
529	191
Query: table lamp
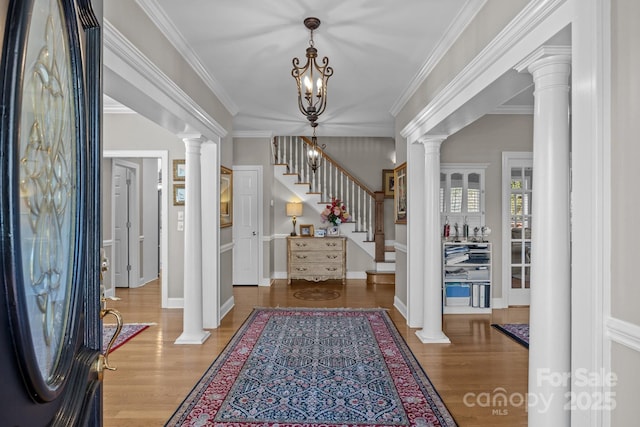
294	210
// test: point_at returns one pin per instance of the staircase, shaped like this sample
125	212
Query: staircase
329	181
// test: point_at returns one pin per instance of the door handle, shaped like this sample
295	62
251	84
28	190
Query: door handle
253	233
103	359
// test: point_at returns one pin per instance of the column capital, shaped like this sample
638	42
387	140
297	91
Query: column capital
544	55
432	143
192	137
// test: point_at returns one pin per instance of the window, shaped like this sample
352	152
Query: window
462	197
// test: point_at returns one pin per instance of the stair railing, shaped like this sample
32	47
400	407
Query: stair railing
330	180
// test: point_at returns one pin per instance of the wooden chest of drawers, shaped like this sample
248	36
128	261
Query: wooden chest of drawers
316	258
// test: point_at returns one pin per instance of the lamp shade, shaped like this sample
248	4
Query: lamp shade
294	209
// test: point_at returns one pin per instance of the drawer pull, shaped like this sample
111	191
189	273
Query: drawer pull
332	244
301	245
332	256
301	256
332	268
301	269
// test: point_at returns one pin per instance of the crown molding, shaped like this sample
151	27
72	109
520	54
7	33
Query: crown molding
513	109
535	12
171	32
460	22
117	44
252	134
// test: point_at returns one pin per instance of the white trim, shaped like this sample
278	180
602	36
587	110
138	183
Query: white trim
467	12
226	247
252	134
513	109
164	244
356	274
279	275
118	47
400	247
591	197
400	306
264	281
508	158
158	16
498	303
481	70
266	239
174	303
623	332
227	307
472	167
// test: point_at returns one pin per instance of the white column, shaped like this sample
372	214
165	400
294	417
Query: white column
192	332
431	331
550	310
415	233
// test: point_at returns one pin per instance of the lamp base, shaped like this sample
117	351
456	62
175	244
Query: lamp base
293	233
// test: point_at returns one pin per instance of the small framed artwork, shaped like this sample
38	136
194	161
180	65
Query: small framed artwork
320	232
179	171
178	194
387	183
333	230
400	193
226	197
306	230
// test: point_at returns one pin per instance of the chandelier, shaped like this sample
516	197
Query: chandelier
314	154
312	95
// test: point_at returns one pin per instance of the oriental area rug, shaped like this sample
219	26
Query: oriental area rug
307	367
129	330
518	331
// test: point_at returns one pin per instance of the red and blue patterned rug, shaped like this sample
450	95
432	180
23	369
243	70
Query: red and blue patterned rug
517	331
310	367
129	330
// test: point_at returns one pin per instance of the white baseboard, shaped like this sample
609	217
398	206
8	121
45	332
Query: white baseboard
400	306
226	307
498	303
356	274
175	303
279	275
265	281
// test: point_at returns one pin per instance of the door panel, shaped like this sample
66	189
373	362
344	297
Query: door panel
50	332
245	225
121	230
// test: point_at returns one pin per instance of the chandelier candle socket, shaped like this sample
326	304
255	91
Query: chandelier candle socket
312	95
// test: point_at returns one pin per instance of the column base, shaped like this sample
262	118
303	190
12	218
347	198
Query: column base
438	339
197	338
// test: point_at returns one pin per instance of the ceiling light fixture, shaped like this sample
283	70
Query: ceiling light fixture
314	154
312	96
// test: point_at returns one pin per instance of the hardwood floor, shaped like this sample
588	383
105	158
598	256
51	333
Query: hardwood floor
154	375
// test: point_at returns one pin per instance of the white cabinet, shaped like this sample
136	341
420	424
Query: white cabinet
466	277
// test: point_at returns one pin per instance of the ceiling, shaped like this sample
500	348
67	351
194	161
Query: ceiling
379	50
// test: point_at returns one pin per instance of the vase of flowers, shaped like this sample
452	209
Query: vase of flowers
335	213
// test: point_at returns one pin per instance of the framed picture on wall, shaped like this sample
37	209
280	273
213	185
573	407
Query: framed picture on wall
179	170
226	197
178	194
388	183
400	193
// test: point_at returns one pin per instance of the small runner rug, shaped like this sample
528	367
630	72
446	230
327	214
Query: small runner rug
517	331
129	330
309	367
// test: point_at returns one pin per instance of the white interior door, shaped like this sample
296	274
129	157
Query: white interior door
125	219
245	227
518	176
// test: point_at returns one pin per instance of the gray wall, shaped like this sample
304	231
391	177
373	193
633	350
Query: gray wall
134	132
625	175
488	22
483	142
